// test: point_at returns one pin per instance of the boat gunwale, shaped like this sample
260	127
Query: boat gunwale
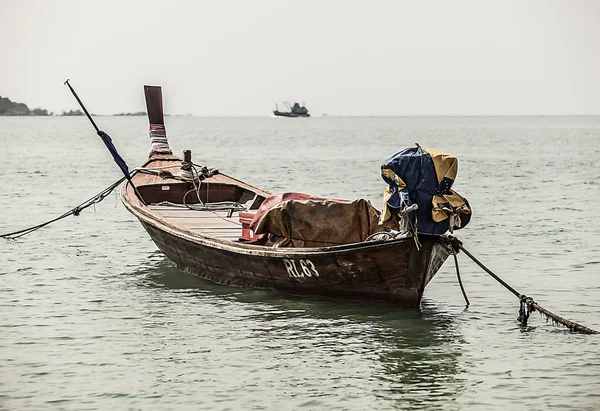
177	159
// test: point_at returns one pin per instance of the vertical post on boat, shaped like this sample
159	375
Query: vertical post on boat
158	134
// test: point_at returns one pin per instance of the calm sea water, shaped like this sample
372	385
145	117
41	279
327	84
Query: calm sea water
93	317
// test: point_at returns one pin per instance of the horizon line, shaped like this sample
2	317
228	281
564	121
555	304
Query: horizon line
316	116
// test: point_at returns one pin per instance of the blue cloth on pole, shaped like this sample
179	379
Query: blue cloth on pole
116	156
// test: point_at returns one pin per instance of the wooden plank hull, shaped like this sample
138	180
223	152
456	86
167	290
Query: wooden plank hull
289	114
393	271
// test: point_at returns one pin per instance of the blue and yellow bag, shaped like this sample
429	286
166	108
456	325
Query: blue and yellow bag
424	177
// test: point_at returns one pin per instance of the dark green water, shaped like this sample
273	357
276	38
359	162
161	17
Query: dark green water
92	317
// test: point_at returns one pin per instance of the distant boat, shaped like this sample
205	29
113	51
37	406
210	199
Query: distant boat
294	111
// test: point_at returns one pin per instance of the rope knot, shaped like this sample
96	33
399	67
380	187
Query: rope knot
525	309
455	243
165	174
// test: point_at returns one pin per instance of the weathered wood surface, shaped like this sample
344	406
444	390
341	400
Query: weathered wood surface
154	104
395	272
213	223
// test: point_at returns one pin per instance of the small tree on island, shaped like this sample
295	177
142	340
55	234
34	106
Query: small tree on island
72	113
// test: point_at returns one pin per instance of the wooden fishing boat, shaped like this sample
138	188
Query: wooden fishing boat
203	226
295	110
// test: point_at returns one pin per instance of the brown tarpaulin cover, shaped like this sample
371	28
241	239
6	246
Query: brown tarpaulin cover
300	220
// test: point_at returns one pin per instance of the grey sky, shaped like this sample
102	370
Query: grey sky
239	57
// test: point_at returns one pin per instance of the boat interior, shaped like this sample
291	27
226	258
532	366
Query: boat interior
208	203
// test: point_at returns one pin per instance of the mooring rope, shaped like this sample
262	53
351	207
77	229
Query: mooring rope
527	304
458	276
74	211
159	171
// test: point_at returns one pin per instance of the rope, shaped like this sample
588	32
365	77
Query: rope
527	304
160	171
459	279
204	173
74	211
158	140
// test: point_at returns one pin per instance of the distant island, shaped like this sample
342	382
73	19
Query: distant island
137	113
11	108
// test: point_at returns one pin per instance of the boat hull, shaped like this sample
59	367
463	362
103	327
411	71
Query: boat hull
288	114
394	271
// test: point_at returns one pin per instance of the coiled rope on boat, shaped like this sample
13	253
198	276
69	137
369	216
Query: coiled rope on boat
197	176
527	304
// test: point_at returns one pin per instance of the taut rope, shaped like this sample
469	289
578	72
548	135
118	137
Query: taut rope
74	211
458	276
528	305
